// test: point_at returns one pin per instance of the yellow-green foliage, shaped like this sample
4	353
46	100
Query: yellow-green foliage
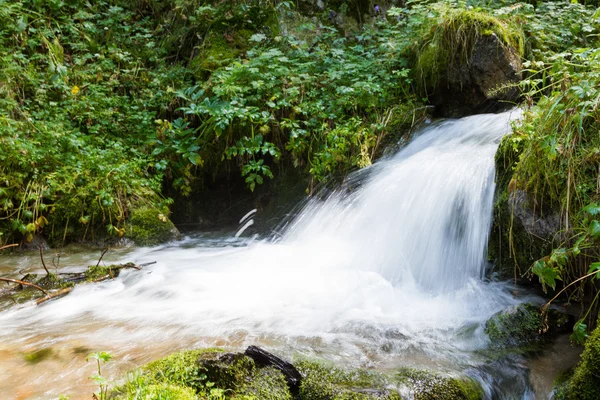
450	40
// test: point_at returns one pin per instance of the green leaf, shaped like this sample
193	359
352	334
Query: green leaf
579	334
594	267
100	356
594	230
547	275
592	209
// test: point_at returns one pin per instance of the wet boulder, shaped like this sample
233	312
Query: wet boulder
470	63
322	381
525	325
427	385
485	83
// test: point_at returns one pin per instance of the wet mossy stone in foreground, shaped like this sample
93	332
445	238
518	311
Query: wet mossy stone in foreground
426	385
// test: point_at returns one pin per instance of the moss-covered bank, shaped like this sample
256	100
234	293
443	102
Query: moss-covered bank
584	384
214	373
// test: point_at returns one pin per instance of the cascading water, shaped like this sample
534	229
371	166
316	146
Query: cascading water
389	273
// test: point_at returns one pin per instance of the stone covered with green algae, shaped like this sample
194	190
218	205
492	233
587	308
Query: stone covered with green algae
150	226
236	376
517	326
205	371
326	382
426	385
212	372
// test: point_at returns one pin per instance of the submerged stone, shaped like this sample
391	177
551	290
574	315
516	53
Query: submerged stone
38	356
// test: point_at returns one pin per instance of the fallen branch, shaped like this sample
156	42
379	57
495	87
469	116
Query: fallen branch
42	257
68	290
54	295
9	246
24	283
102	255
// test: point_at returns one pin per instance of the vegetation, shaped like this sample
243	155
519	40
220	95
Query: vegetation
110	109
214	374
552	157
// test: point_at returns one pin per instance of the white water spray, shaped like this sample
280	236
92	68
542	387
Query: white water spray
394	266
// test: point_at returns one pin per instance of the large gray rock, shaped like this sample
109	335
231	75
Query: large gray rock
485	83
543	224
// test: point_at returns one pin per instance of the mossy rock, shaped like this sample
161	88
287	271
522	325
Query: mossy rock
585	384
326	382
514	327
426	385
180	368
469	62
266	384
150	226
228	371
160	391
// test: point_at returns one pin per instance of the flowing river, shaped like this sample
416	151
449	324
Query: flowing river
389	271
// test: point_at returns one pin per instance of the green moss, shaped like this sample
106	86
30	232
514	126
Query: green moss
179	368
427	385
165	391
95	272
228	371
38	356
585	384
150	226
517	326
140	387
450	42
220	49
266	384
326	382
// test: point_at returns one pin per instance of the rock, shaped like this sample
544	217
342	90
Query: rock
326	382
426	385
267	384
525	324
474	87
514	327
264	358
227	371
537	223
150	226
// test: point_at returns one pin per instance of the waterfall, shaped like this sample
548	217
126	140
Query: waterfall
421	217
388	269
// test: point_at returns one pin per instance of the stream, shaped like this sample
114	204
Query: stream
388	271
